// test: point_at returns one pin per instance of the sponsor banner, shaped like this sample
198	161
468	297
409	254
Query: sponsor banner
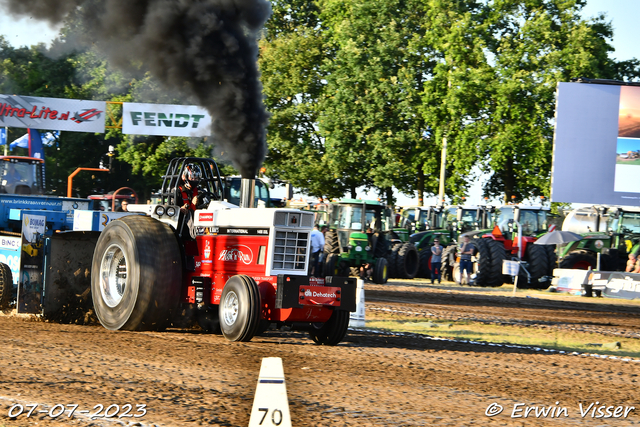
319	295
52	113
165	119
31	281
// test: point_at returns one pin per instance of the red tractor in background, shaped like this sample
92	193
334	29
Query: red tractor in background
515	230
236	269
21	175
112	202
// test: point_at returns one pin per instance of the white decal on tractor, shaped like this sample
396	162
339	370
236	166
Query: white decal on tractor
237	253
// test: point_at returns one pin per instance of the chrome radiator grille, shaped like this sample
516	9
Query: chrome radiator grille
290	250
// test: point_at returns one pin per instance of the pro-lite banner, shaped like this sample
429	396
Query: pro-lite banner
165	119
52	113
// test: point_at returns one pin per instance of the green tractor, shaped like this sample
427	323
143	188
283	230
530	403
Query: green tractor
357	239
611	233
421	225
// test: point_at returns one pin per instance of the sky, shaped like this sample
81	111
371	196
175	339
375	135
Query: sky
622	13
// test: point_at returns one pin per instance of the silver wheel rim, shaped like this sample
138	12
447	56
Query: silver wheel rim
113	275
230	308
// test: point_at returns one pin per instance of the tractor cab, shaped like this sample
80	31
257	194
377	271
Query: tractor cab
533	220
357	217
463	219
21	175
422	218
232	187
357	237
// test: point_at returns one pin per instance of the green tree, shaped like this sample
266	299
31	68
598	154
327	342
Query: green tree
535	45
453	91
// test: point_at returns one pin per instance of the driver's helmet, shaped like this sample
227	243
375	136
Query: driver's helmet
191	173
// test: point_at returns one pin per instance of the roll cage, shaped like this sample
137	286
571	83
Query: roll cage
210	182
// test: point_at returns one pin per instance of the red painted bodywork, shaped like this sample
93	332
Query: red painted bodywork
219	257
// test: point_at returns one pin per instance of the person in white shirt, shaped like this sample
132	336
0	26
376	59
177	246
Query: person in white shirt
317	246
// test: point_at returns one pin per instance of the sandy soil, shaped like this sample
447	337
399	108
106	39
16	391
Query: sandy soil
187	378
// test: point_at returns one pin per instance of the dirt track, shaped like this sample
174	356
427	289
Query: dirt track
186	378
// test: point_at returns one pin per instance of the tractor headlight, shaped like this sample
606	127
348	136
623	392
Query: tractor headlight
171	211
367	248
358	248
160	210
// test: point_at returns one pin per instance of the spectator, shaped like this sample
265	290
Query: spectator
124	207
633	264
436	261
317	246
466	252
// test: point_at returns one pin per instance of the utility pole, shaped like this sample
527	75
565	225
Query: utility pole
443	171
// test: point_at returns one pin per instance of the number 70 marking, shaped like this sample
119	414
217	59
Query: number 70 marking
276	416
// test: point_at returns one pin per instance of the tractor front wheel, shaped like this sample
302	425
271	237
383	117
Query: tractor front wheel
6	286
380	271
239	311
407	261
332	331
332	265
136	274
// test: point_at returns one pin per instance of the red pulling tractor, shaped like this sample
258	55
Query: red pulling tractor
243	269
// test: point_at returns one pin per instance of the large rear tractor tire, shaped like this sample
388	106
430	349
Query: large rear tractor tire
6	286
239	310
407	261
331	245
490	255
332	331
579	260
425	263
538	258
380	271
136	274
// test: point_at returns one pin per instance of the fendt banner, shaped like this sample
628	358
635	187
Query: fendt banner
33	112
596	154
165	120
76	115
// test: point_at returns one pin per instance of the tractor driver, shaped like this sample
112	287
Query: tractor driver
191	175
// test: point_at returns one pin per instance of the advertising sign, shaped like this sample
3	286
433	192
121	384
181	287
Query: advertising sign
30	284
52	113
10	255
596	153
165	119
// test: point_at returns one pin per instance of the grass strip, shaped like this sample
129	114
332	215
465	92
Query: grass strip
569	341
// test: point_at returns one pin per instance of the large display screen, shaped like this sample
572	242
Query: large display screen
596	153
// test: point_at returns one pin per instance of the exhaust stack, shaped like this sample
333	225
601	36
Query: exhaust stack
247	192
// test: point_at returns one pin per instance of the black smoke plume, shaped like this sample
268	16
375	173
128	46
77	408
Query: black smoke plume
203	48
